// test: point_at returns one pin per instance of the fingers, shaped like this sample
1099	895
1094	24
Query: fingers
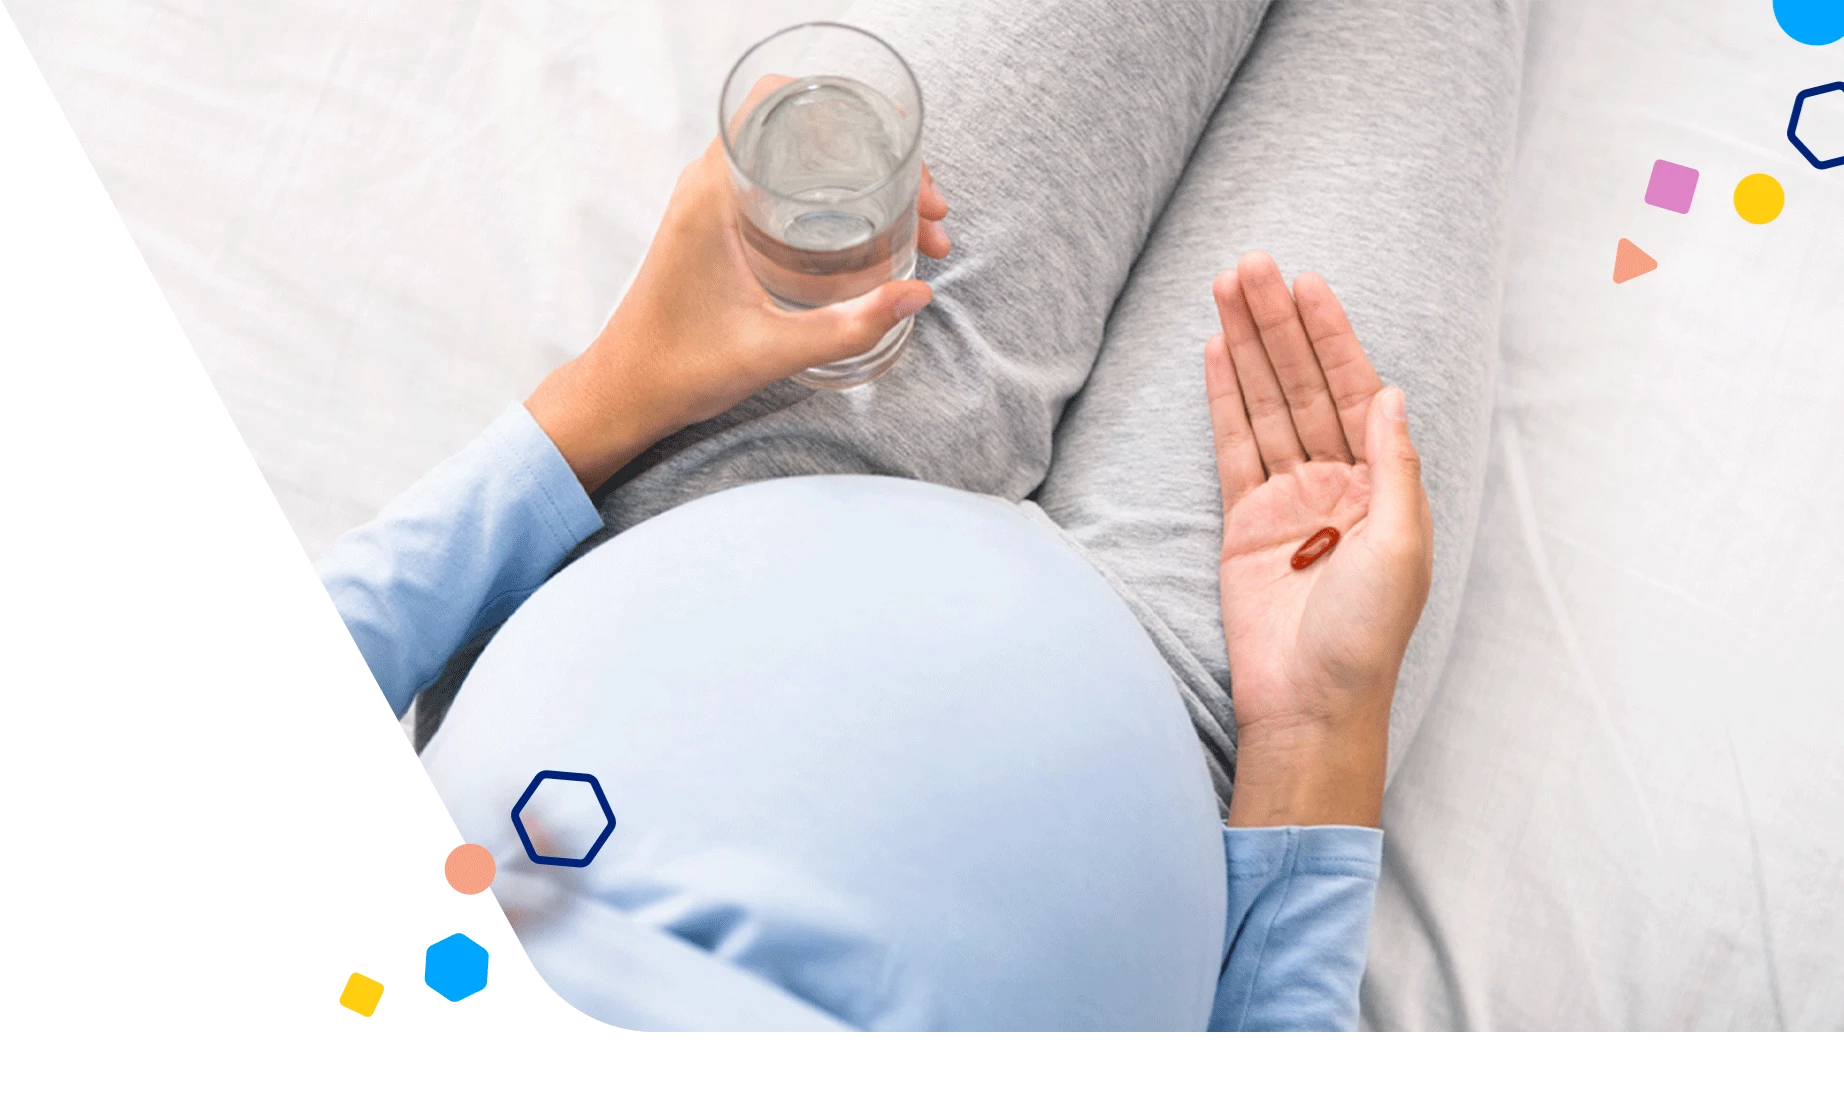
931	206
1348	373
1262	397
1239	466
844	329
931	203
1290	353
1398	511
931	240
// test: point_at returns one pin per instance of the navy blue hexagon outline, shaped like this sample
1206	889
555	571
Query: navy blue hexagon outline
531	851
1792	125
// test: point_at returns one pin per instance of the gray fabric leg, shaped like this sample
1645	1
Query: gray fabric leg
1058	132
1370	142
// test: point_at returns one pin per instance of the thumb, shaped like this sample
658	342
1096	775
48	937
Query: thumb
845	329
1398	504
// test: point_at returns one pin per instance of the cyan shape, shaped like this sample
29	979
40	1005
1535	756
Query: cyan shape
531	789
1813	22
456	967
1792	126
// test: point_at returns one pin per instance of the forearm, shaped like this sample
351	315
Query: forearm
1312	771
597	410
456	553
1304	851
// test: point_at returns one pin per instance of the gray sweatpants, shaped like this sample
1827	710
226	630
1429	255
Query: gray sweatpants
1103	160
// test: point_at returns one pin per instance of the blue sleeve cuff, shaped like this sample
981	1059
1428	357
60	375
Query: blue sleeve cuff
1298	926
457	553
558	498
554	499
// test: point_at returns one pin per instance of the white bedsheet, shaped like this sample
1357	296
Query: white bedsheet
378	223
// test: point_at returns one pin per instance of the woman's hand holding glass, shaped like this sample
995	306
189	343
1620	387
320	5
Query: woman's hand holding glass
1307	436
696	333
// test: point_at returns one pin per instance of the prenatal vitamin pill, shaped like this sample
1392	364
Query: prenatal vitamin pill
1316	546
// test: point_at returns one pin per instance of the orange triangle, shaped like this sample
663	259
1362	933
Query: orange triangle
1630	262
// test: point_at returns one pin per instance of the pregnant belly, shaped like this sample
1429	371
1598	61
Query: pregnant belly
903	720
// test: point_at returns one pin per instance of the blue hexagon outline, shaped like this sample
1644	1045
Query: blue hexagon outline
450	943
1792	125
531	851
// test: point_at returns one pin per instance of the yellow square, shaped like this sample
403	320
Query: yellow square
362	994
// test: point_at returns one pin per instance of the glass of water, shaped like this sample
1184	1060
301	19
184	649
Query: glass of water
822	125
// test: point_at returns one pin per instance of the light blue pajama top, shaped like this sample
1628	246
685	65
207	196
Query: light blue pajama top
881	754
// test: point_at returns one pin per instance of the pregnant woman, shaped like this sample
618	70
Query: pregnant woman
1019	689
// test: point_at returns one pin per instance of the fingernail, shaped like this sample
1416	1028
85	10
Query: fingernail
910	303
1394	406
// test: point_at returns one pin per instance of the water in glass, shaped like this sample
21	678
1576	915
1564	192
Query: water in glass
821	144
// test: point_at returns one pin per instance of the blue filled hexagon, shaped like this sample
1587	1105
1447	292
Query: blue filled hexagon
456	967
531	850
1821	159
1813	22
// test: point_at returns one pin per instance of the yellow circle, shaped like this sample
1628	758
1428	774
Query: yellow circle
1759	198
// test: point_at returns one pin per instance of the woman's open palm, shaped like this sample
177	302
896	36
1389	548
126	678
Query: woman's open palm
1308	437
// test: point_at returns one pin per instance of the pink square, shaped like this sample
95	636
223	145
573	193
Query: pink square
1672	186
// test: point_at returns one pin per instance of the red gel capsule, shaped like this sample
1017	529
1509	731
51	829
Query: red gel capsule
1316	546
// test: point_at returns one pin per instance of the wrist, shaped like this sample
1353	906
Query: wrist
592	412
1316	770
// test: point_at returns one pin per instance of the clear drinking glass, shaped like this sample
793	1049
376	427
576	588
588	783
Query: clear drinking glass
822	126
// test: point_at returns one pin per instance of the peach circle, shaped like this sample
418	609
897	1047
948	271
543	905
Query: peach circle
469	869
